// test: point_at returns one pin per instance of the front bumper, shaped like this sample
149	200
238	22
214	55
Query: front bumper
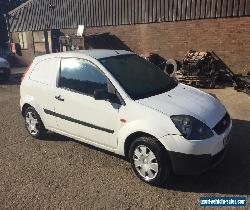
196	156
187	164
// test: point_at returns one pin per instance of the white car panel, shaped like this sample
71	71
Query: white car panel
106	125
86	110
189	101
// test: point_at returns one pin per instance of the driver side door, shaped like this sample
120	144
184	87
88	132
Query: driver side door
77	111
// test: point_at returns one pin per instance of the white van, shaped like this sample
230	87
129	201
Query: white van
118	101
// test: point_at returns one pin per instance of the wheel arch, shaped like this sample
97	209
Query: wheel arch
133	136
24	107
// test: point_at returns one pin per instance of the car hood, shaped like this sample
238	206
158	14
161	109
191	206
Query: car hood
186	100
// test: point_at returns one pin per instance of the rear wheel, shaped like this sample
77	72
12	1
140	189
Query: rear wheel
33	123
149	160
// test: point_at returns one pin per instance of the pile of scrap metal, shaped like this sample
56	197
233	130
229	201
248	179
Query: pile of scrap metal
203	70
71	43
242	82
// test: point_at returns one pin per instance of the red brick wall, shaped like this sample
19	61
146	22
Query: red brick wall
229	38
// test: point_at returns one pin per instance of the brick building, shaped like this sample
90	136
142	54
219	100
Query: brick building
167	27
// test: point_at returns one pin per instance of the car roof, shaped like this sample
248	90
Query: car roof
97	54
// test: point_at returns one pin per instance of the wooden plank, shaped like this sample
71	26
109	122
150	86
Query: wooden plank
162	10
132	9
230	8
179	10
183	9
175	4
33	14
150	11
193	9
109	13
247	7
138	11
124	12
224	8
166	10
170	10
242	7
146	11
198	9
188	10
158	10
213	8
93	11
128	9
208	8
203	8
154	10
236	7
143	10
40	17
219	8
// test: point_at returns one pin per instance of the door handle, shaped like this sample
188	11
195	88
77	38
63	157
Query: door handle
59	98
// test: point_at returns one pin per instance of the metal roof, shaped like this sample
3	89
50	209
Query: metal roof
62	14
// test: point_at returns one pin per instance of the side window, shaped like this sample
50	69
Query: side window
45	71
81	76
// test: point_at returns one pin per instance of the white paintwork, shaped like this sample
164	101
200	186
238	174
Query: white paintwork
4	63
190	101
149	115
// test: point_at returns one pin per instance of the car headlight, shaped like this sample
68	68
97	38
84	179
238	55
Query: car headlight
191	128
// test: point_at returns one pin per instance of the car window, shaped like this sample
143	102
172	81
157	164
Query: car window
81	76
138	77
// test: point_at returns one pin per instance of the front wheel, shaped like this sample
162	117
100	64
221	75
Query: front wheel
149	160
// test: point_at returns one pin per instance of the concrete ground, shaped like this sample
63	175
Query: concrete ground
60	173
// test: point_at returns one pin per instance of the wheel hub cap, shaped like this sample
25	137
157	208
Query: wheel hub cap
145	162
31	123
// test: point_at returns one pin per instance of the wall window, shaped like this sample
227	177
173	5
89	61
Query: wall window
39	42
81	76
23	40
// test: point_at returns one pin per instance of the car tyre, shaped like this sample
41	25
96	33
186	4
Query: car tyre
150	161
34	124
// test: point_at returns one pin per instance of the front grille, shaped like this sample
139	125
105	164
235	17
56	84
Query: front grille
222	125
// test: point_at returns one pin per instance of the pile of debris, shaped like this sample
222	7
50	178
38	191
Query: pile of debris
203	70
242	82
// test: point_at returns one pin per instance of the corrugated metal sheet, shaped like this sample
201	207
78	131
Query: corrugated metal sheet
56	14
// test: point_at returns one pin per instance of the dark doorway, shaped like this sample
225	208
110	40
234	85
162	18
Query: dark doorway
55	36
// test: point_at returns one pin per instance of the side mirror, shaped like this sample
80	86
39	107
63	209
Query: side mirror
103	94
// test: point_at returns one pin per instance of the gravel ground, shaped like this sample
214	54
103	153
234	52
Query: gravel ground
60	173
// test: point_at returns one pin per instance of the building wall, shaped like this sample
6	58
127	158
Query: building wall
27	54
35	46
228	38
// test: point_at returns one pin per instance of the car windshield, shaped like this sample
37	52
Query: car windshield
138	77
